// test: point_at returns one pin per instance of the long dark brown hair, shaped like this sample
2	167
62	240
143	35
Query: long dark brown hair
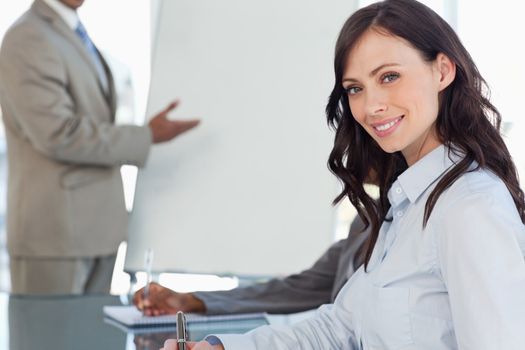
467	123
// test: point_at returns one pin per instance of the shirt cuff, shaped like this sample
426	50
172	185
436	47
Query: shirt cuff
213	340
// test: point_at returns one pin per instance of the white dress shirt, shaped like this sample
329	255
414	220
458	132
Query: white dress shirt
69	15
458	283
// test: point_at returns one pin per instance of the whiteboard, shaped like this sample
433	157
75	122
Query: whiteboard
248	192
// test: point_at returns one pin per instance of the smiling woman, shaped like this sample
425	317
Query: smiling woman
444	267
395	100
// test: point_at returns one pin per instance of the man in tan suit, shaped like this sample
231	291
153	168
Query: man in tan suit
66	213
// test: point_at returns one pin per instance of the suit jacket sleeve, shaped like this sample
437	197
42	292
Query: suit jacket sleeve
299	292
38	92
295	293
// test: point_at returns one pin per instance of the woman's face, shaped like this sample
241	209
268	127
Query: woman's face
393	93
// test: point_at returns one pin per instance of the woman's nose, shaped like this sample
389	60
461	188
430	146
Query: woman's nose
375	103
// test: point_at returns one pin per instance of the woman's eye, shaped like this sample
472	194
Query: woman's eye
389	77
352	90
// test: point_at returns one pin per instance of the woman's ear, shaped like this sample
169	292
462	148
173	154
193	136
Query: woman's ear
446	70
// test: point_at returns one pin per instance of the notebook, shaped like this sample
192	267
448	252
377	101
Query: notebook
129	316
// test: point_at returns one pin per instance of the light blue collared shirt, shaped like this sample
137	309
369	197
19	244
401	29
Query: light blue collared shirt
458	283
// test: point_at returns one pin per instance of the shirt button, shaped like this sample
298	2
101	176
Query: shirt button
398	190
399	213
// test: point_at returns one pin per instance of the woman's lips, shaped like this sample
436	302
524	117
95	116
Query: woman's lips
387	127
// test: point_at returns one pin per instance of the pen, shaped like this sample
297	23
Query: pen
182	335
148	261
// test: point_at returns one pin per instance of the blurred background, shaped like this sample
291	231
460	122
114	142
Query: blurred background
488	29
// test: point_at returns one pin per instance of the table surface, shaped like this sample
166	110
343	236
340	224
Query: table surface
77	323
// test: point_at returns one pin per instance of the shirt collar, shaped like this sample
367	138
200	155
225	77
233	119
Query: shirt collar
418	177
67	14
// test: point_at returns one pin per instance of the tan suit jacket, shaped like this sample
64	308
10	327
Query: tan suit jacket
65	196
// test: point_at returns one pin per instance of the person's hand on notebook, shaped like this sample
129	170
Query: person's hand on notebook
171	344
162	300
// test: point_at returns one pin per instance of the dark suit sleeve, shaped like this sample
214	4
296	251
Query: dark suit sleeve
299	292
303	291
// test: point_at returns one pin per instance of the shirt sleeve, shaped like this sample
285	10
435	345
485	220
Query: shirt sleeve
329	329
482	265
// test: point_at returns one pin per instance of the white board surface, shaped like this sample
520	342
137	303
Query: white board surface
248	192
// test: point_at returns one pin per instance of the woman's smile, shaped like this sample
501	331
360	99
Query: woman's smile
387	126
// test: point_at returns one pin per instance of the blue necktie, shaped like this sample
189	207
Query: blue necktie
81	32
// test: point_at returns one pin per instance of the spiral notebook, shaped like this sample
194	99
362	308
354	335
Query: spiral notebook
129	316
